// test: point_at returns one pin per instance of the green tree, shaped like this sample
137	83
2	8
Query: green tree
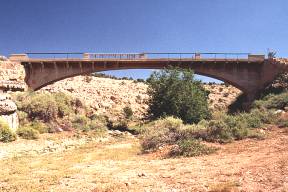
175	92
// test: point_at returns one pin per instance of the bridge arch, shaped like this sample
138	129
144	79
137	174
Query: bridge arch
248	75
86	73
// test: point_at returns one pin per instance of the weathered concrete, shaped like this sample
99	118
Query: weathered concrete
249	75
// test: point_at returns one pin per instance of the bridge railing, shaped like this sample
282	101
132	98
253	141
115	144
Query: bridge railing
114	56
198	55
55	55
147	55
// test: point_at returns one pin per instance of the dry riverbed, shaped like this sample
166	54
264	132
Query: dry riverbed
116	164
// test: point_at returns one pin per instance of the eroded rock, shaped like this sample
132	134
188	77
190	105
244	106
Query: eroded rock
8	111
7	107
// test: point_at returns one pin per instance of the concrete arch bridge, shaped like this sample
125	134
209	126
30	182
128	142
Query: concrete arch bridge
250	73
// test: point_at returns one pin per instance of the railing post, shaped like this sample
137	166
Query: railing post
197	56
86	56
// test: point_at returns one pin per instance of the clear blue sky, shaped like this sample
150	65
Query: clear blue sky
143	26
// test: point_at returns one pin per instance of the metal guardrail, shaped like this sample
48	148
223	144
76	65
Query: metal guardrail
198	55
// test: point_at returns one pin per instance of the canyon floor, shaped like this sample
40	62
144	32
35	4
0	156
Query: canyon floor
117	164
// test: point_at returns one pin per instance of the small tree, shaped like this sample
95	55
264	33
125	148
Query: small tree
175	92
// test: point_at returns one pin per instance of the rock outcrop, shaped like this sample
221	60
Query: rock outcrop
105	96
221	95
12	76
279	85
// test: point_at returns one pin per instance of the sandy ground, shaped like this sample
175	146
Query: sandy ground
118	165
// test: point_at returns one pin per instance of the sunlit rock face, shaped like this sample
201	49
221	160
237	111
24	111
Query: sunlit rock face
108	96
105	96
12	76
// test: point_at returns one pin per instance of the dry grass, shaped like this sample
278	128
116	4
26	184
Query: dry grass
30	173
224	187
246	165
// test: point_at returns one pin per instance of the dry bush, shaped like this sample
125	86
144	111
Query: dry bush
27	132
170	131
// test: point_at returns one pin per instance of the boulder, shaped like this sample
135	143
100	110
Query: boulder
8	111
278	112
7	107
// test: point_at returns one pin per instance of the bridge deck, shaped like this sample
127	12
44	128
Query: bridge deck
37	60
137	57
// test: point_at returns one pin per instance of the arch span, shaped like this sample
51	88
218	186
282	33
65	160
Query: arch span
248	76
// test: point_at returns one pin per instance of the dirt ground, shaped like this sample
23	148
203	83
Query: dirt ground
118	165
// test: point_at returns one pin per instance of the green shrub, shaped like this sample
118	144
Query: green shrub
203	123
45	106
175	92
282	123
161	132
191	148
83	123
167	131
128	112
223	128
266	116
6	135
237	129
39	126
226	128
38	106
27	132
219	131
251	120
193	131
80	119
171	123
23	117
65	104
272	101
80	122
98	126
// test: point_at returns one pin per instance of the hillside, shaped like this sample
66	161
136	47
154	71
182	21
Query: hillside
110	96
